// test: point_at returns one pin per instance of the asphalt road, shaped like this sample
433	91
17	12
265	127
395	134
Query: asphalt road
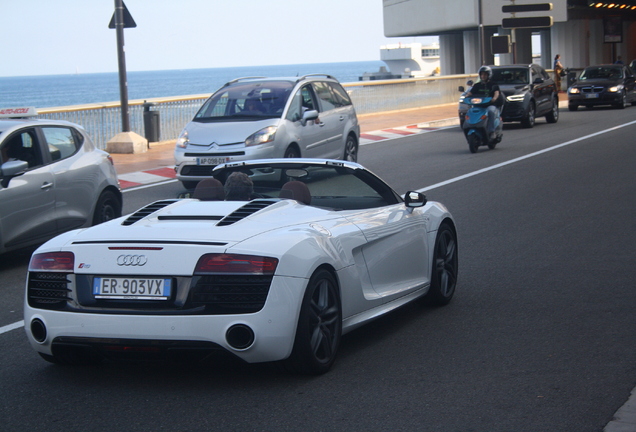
539	337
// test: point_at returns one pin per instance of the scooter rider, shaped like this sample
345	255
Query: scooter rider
486	88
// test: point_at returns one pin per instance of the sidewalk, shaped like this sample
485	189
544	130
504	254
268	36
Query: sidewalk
157	164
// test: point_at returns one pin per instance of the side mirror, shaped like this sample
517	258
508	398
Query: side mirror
11	169
309	115
414	199
538	81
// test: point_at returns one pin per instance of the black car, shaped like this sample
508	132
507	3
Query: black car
611	84
529	93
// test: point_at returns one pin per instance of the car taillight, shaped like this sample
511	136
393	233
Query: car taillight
52	261
236	264
110	158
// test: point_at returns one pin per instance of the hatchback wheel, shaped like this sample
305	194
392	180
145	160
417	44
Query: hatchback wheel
108	207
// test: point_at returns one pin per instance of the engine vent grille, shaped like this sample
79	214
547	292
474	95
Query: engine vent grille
148	210
245	211
48	290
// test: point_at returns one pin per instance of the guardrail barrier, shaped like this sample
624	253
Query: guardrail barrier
102	121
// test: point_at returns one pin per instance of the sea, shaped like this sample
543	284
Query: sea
48	91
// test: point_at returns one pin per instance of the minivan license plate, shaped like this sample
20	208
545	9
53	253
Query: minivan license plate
212	160
131	288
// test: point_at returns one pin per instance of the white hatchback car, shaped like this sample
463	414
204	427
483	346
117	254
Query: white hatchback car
261	118
52	180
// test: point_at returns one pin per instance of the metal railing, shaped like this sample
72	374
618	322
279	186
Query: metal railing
103	121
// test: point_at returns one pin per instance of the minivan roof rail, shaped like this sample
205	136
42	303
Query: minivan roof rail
313	75
243	78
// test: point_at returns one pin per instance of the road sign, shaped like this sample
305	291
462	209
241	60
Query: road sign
527	22
536	7
129	22
500	44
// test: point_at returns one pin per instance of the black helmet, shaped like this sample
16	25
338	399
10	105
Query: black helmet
485	69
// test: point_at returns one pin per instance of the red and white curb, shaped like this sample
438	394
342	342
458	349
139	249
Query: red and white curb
141	178
401	132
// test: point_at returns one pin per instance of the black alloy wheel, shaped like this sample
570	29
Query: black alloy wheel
319	327
445	267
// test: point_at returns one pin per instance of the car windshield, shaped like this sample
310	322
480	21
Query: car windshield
601	72
511	76
246	100
327	186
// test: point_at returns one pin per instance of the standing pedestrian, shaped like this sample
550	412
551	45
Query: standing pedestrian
558	71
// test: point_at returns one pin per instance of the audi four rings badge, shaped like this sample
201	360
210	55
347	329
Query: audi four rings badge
131	260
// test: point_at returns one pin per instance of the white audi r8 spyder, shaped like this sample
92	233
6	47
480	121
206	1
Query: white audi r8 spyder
315	249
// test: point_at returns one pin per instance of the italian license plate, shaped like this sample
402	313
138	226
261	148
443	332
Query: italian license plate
132	288
212	160
591	95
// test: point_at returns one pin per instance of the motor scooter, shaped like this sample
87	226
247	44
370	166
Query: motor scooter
476	124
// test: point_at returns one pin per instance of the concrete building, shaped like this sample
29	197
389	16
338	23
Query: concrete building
584	32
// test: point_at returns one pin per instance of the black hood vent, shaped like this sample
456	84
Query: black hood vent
247	210
148	210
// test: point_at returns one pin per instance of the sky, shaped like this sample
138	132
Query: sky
45	37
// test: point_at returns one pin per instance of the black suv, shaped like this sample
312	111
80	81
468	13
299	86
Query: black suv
529	93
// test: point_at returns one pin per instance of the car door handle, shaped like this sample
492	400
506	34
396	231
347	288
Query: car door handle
46	186
342	118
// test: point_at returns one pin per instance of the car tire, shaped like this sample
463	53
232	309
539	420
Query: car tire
291	152
444	267
623	102
319	327
553	115
573	107
351	149
190	185
528	119
108	207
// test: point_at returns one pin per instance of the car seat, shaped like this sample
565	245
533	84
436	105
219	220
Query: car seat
209	189
296	190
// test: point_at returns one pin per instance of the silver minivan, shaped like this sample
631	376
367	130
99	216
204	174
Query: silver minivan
260	118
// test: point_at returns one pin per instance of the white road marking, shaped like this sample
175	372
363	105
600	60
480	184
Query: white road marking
528	156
